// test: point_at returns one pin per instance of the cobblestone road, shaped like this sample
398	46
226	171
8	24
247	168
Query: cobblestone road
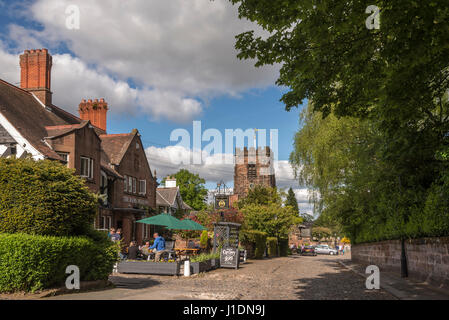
294	277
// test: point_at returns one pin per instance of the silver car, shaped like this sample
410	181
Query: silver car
325	249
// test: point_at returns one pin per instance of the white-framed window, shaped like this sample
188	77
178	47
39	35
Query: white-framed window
134	185
105	222
143	187
87	167
130	184
125	184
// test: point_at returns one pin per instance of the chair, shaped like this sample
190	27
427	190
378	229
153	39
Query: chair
169	249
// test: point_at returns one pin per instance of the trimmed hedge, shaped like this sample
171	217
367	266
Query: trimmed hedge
257	238
30	263
44	198
283	247
272	244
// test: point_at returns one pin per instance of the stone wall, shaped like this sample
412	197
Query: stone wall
427	258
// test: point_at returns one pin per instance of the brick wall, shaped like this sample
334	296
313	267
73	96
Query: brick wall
427	258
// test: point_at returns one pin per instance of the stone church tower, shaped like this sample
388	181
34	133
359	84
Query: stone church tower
253	167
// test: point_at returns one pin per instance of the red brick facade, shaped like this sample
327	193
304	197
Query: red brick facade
95	111
253	167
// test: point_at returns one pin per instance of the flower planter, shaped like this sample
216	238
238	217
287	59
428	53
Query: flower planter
215	263
148	267
198	267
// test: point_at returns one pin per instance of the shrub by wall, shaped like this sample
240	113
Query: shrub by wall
283	247
43	198
272	245
257	238
30	263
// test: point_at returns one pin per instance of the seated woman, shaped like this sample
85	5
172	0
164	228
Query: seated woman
133	251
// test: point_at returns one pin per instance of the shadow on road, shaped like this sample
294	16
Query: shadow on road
343	284
133	283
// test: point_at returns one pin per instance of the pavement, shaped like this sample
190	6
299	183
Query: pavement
401	288
287	278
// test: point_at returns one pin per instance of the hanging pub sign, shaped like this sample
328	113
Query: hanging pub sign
221	202
229	258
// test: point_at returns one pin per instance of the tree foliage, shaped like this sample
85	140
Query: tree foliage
291	200
44	198
192	189
378	162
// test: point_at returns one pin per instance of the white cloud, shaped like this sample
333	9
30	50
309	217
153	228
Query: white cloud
178	53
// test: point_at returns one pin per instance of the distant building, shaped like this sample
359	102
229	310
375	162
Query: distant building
169	199
252	167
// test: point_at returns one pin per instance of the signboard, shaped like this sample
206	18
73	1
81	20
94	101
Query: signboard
221	202
230	258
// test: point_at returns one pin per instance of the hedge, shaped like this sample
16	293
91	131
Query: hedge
257	238
30	263
272	244
283	247
44	198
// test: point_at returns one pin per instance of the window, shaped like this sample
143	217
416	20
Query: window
142	187
105	222
130	184
252	173
134	185
64	156
125	184
87	167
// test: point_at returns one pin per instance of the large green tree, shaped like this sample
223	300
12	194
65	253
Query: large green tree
192	189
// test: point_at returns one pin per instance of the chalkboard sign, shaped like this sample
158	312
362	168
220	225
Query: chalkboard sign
230	258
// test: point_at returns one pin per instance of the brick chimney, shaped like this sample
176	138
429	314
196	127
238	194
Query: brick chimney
95	111
35	75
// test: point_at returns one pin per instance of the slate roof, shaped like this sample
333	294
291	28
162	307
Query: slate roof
29	117
115	146
166	196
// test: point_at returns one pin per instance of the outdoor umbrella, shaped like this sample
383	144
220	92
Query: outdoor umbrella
165	220
189	225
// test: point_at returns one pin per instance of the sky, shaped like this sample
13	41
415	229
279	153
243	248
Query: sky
160	65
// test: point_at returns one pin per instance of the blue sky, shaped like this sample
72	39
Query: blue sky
160	65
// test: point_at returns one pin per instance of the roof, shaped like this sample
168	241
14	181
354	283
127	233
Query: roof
26	113
185	206
115	146
166	196
57	131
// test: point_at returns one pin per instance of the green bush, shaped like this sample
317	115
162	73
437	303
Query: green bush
272	244
43	198
283	247
205	256
30	263
258	239
204	239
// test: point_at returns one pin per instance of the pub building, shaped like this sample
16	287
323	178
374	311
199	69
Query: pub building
113	165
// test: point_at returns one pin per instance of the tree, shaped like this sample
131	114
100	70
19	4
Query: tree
192	189
321	233
291	200
273	219
44	198
261	195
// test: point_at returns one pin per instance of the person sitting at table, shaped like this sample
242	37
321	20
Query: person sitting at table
145	249
158	247
133	251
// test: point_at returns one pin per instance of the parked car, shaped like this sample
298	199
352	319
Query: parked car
308	250
325	249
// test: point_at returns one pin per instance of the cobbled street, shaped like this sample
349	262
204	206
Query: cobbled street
290	278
